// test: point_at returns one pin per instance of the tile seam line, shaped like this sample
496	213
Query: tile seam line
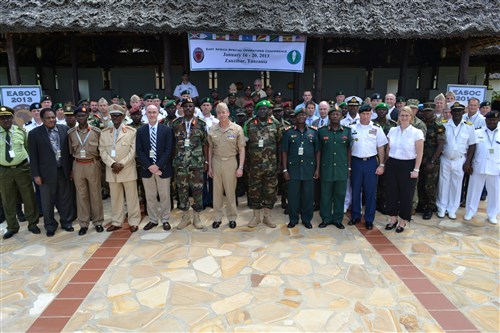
34	325
359	227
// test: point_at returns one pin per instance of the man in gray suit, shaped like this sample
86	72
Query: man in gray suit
50	161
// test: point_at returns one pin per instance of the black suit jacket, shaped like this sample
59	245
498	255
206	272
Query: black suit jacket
164	145
42	158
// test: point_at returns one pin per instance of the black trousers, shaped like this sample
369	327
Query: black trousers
57	193
400	188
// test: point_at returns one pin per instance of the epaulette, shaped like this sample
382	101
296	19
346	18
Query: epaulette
97	129
468	122
19	127
202	122
126	127
177	120
28	123
392	121
71	130
313	128
286	128
444	121
377	124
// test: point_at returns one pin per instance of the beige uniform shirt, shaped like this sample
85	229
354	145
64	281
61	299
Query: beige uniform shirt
90	147
123	145
226	143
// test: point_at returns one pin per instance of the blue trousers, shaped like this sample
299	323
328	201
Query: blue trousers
364	180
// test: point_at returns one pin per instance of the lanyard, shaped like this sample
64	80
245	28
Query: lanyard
86	138
188	127
492	139
10	140
459	129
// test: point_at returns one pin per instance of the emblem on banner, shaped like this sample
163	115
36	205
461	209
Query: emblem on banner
293	57
198	54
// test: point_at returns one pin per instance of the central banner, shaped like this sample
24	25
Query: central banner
209	51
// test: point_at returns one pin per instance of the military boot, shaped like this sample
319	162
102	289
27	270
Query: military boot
197	222
185	221
267	218
255	219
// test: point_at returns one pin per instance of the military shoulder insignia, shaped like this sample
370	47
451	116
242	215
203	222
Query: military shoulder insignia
71	130
28	123
377	125
468	123
444	121
313	127
95	129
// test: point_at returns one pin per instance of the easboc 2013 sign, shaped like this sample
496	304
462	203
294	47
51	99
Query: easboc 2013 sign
209	51
465	92
20	98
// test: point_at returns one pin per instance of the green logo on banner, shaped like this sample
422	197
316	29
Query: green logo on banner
294	57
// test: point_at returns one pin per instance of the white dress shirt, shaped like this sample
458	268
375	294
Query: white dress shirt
402	142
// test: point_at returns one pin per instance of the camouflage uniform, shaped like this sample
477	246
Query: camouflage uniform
417	123
262	162
189	162
428	179
386	127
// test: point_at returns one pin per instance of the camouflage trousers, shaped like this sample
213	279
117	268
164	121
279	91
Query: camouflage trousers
262	186
427	186
189	179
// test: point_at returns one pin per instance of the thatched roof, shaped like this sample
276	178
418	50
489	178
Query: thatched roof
398	19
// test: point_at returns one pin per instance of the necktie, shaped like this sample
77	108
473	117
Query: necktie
53	141
321	122
152	141
7	147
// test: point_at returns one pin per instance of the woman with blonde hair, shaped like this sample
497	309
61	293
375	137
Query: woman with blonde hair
404	151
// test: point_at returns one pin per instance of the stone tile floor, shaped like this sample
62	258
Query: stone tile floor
439	275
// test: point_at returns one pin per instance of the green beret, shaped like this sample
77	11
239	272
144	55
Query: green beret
45	98
264	102
148	96
6	111
207	100
333	109
365	108
58	106
170	102
381	106
299	110
231	95
400	99
341	105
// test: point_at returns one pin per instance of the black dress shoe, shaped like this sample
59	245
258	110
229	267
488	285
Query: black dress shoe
427	215
232	224
99	228
369	226
166	226
286	211
323	225
400	229
353	221
69	229
216	224
35	230
316	208
291	224
308	225
113	228
22	218
284	205
390	226
340	225
9	234
82	231
50	233
134	228
150	225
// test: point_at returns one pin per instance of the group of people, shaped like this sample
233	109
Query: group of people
395	155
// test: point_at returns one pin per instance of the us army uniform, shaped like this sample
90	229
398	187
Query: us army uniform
190	158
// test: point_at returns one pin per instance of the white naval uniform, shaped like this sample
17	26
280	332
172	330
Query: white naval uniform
451	174
486	169
31	125
477	120
348	120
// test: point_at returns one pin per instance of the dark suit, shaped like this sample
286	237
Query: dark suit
164	144
156	186
56	185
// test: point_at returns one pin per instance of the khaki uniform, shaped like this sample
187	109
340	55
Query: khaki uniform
123	143
84	146
225	145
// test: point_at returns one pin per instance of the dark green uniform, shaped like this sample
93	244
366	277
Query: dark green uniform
189	161
15	177
261	162
301	148
386	127
140	186
428	179
282	184
335	148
